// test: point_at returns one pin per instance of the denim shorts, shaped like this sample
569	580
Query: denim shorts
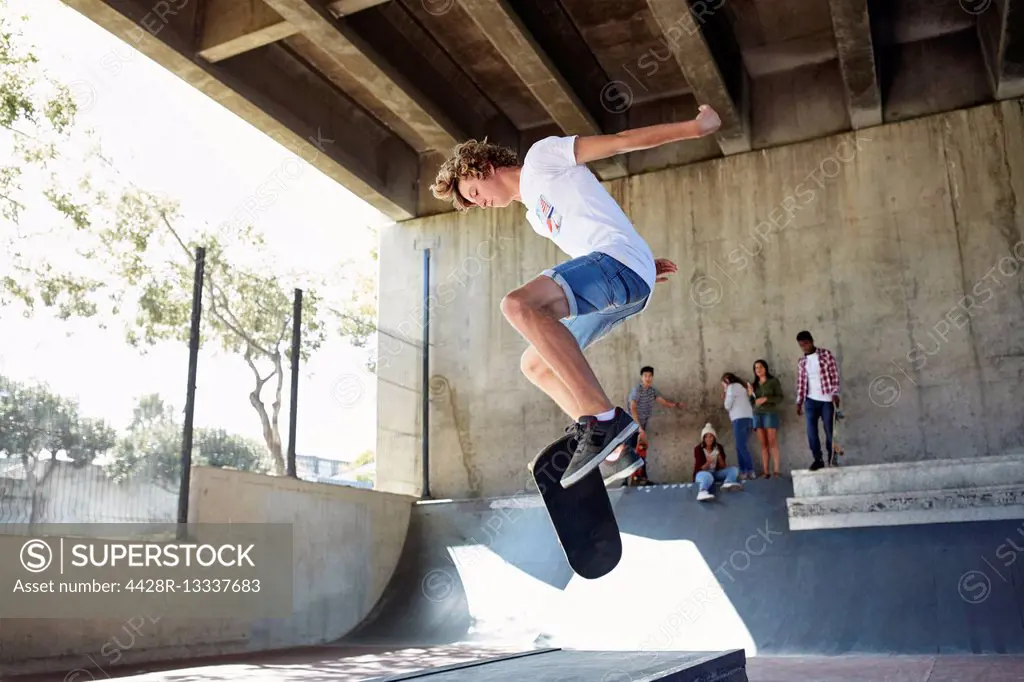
766	421
602	293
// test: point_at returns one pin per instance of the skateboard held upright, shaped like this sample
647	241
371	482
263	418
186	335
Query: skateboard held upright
838	440
581	515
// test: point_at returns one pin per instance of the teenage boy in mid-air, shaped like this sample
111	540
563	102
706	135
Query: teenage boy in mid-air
610	275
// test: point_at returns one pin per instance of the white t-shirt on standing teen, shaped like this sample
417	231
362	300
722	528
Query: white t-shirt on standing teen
566	203
814	391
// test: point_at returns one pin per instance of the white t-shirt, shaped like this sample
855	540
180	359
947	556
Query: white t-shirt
737	401
566	203
814	391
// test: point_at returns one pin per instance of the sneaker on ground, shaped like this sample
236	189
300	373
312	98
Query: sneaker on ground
704	495
595	440
732	486
621	465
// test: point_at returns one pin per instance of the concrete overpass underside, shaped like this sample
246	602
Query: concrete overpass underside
373	92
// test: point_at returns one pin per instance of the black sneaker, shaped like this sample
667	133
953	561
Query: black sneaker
625	464
817	464
595	440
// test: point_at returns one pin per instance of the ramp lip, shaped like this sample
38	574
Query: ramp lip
896	494
460	666
730	661
1012	456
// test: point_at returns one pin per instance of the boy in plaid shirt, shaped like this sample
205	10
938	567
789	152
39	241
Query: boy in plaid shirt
817	392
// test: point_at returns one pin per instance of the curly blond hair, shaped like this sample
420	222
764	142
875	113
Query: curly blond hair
469	159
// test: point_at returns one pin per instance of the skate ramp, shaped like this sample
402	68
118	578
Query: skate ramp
703	577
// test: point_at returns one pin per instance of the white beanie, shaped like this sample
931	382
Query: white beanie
706	430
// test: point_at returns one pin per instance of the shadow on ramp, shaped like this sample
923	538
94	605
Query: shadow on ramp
450	544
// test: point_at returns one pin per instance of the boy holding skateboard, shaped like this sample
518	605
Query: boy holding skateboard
609	278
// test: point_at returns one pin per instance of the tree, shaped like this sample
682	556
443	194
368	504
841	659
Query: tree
151	447
247	309
38	115
128	254
39	426
365	457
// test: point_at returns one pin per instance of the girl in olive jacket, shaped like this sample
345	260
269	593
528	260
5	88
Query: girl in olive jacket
766	397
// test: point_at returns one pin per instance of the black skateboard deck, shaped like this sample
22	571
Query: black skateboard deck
581	515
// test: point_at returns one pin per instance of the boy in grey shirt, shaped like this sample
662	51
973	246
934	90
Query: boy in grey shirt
641	403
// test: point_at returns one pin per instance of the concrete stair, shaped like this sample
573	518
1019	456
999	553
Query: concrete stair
903	493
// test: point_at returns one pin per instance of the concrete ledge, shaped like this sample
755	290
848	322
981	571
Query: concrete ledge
897	508
935	474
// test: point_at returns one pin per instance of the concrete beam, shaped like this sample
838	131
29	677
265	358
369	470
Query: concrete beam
232	27
343	8
856	50
301	99
428	204
346	83
1001	30
506	32
683	34
318	135
365	66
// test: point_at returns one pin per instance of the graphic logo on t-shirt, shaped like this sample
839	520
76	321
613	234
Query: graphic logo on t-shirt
551	218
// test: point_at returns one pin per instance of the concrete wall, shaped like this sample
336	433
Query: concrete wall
346	544
899	248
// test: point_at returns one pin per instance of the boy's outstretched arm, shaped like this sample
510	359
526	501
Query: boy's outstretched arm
669	403
596	147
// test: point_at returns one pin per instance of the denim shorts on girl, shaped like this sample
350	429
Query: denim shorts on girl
602	293
767	420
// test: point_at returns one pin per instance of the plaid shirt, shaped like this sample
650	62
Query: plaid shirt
829	375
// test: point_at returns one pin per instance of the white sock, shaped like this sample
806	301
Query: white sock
606	416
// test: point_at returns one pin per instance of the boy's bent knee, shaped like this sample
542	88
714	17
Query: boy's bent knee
542	295
532	365
514	304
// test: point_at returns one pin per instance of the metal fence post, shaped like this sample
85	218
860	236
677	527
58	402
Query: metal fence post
293	416
190	399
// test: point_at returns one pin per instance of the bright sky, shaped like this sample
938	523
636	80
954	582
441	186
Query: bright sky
170	138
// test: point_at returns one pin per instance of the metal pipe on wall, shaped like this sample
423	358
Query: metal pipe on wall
425	388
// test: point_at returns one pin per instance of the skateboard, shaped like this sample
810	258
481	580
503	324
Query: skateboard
581	515
838	419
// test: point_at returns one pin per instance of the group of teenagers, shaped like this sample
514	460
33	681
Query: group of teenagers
754	408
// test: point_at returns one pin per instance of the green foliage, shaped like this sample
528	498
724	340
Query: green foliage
357	322
38	112
151	448
142	243
36	422
364	458
37	425
37	119
118	254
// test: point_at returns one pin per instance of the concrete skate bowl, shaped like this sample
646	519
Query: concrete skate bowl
702	577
